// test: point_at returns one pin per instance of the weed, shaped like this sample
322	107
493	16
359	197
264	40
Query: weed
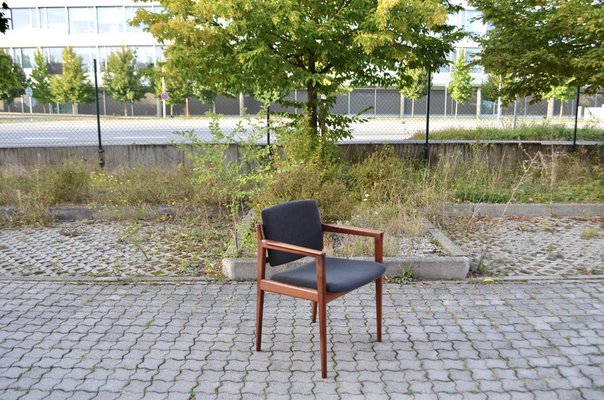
589	233
405	277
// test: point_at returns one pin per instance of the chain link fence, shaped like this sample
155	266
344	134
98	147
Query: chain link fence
389	117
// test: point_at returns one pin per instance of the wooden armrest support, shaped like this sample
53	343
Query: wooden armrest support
352	230
290	248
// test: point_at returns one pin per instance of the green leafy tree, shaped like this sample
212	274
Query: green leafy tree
460	87
490	88
541	45
40	80
562	93
415	87
249	46
72	86
3	18
12	79
122	79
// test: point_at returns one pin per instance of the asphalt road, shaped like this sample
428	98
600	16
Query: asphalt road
43	130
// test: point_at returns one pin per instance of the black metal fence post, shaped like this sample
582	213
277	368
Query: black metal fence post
98	118
268	125
426	144
576	118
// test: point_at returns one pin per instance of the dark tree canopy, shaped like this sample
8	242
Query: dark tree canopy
3	18
539	44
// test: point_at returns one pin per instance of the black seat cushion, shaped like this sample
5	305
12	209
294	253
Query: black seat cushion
342	275
298	223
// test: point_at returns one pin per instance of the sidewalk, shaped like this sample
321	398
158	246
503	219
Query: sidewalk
534	340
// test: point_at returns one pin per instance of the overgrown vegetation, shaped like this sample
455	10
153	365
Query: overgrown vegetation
379	190
525	132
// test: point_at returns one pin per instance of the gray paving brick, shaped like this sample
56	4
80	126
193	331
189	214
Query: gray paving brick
400	367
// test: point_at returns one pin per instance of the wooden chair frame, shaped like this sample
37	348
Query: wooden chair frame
319	297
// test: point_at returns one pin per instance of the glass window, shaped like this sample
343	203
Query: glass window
145	56
159	54
453	19
131	13
54	54
473	22
447	68
103	55
111	19
84	54
25	57
24	18
472	55
81	20
53	18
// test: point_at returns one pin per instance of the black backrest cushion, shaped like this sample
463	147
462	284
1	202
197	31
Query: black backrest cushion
298	223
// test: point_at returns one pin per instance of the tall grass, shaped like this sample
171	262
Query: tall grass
523	132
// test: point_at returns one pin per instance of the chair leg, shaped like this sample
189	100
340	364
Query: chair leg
378	307
323	336
259	312
314	312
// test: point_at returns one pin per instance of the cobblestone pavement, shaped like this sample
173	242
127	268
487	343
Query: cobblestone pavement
533	246
196	341
99	249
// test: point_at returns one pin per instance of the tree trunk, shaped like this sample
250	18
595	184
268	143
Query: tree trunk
412	108
311	107
214	107
550	109
73	108
187	107
456	104
171	110
125	109
132	109
561	109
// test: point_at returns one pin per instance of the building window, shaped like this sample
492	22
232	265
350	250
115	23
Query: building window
25	57
54	54
472	54
145	56
81	20
448	67
159	54
130	14
111	19
104	53
24	18
53	18
472	22
84	54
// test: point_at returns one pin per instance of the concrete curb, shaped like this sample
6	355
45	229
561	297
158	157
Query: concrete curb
453	267
193	280
525	210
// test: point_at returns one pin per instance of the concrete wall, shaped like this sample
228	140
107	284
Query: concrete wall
170	156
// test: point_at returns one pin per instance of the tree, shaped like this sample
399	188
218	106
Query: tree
562	93
40	80
415	88
541	45
12	78
255	47
460	87
3	18
72	86
122	79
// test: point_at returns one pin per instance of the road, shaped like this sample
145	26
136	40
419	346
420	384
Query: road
45	130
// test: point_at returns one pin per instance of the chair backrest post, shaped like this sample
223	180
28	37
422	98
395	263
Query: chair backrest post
261	273
379	249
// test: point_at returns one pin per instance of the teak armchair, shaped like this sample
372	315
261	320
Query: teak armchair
294	230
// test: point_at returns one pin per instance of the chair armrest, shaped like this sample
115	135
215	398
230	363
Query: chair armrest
352	230
290	248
